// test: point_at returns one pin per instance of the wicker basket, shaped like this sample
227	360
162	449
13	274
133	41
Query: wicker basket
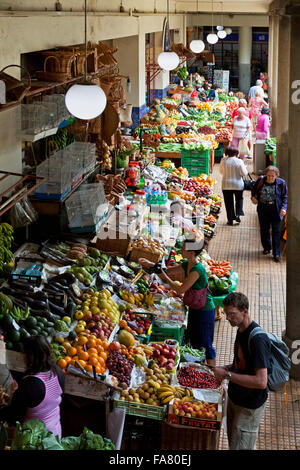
137	253
115	246
61	67
78	127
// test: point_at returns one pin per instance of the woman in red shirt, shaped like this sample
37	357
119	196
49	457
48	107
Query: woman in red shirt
242	104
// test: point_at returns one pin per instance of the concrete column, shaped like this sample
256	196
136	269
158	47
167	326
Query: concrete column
283	95
131	61
270	63
292	333
275	74
245	49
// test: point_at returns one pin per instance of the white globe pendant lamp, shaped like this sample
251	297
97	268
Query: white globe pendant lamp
222	34
212	38
197	46
219	28
168	60
85	100
228	31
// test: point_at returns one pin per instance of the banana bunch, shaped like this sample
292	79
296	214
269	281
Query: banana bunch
147	350
6	239
149	299
134	299
167	393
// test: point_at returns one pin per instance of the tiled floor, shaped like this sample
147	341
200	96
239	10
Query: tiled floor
263	281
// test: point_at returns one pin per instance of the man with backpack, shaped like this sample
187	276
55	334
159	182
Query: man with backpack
260	363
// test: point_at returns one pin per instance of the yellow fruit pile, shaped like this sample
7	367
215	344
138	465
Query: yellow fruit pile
138	299
97	303
167	393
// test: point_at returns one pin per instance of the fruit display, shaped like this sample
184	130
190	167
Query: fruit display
164	355
210	220
194	409
224	135
181	173
140	323
142	286
145	393
190	354
120	367
167	393
96	304
137	299
191	377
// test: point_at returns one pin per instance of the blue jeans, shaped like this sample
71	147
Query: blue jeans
200	329
268	217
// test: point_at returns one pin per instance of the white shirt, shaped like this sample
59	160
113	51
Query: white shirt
233	169
240	127
254	89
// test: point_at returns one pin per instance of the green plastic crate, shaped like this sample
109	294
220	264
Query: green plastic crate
141	409
195	161
161	334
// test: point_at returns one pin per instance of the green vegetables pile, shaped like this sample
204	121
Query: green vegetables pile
34	436
188	354
270	145
182	73
202	146
219	285
142	286
170	147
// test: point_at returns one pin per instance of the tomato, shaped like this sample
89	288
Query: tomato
79	315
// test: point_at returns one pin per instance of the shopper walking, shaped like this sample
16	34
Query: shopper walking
270	195
201	323
256	105
241	128
257	87
242	104
39	393
247	375
233	170
263	125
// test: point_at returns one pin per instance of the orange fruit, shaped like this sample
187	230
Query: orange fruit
62	363
101	361
66	345
105	344
99	370
92	351
82	340
82	363
83	355
93	361
91	343
72	351
89	368
104	355
68	359
100	349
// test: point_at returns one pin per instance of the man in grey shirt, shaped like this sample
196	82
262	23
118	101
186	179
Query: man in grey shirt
258	87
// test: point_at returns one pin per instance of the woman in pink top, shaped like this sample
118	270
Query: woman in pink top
263	125
256	105
39	393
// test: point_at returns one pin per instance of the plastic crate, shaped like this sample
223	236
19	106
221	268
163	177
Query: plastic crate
141	409
161	334
195	161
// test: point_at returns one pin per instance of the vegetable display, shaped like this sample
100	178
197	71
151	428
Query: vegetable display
220	268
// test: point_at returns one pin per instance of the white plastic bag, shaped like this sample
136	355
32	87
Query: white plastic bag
243	147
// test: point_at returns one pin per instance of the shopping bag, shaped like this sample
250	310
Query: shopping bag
243	147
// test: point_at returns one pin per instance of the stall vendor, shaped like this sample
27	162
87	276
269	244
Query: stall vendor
38	395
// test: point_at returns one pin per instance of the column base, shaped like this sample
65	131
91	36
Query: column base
294	347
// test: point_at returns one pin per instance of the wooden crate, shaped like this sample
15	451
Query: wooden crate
178	438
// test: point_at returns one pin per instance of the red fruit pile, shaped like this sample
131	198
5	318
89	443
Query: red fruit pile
101	327
191	377
120	367
140	324
164	355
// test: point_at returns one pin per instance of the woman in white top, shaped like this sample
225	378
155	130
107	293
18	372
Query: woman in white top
232	170
241	130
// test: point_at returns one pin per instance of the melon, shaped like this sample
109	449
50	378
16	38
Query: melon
126	338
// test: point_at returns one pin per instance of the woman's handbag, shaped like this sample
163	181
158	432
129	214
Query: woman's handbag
243	147
248	184
195	298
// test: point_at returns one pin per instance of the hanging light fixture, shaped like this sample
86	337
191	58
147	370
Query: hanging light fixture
222	33
219	28
85	100
168	60
212	38
197	45
228	31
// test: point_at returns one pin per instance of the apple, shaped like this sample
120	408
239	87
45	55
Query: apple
188	415
185	408
172	354
181	413
169	367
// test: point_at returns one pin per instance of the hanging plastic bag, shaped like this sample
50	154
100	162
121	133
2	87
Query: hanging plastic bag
243	147
22	214
28	207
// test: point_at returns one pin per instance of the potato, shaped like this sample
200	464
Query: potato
130	398
163	370
146	395
137	400
155	403
140	391
136	395
150	390
131	391
125	393
145	386
149	401
122	398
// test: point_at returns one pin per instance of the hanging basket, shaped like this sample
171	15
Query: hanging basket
17	89
78	126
